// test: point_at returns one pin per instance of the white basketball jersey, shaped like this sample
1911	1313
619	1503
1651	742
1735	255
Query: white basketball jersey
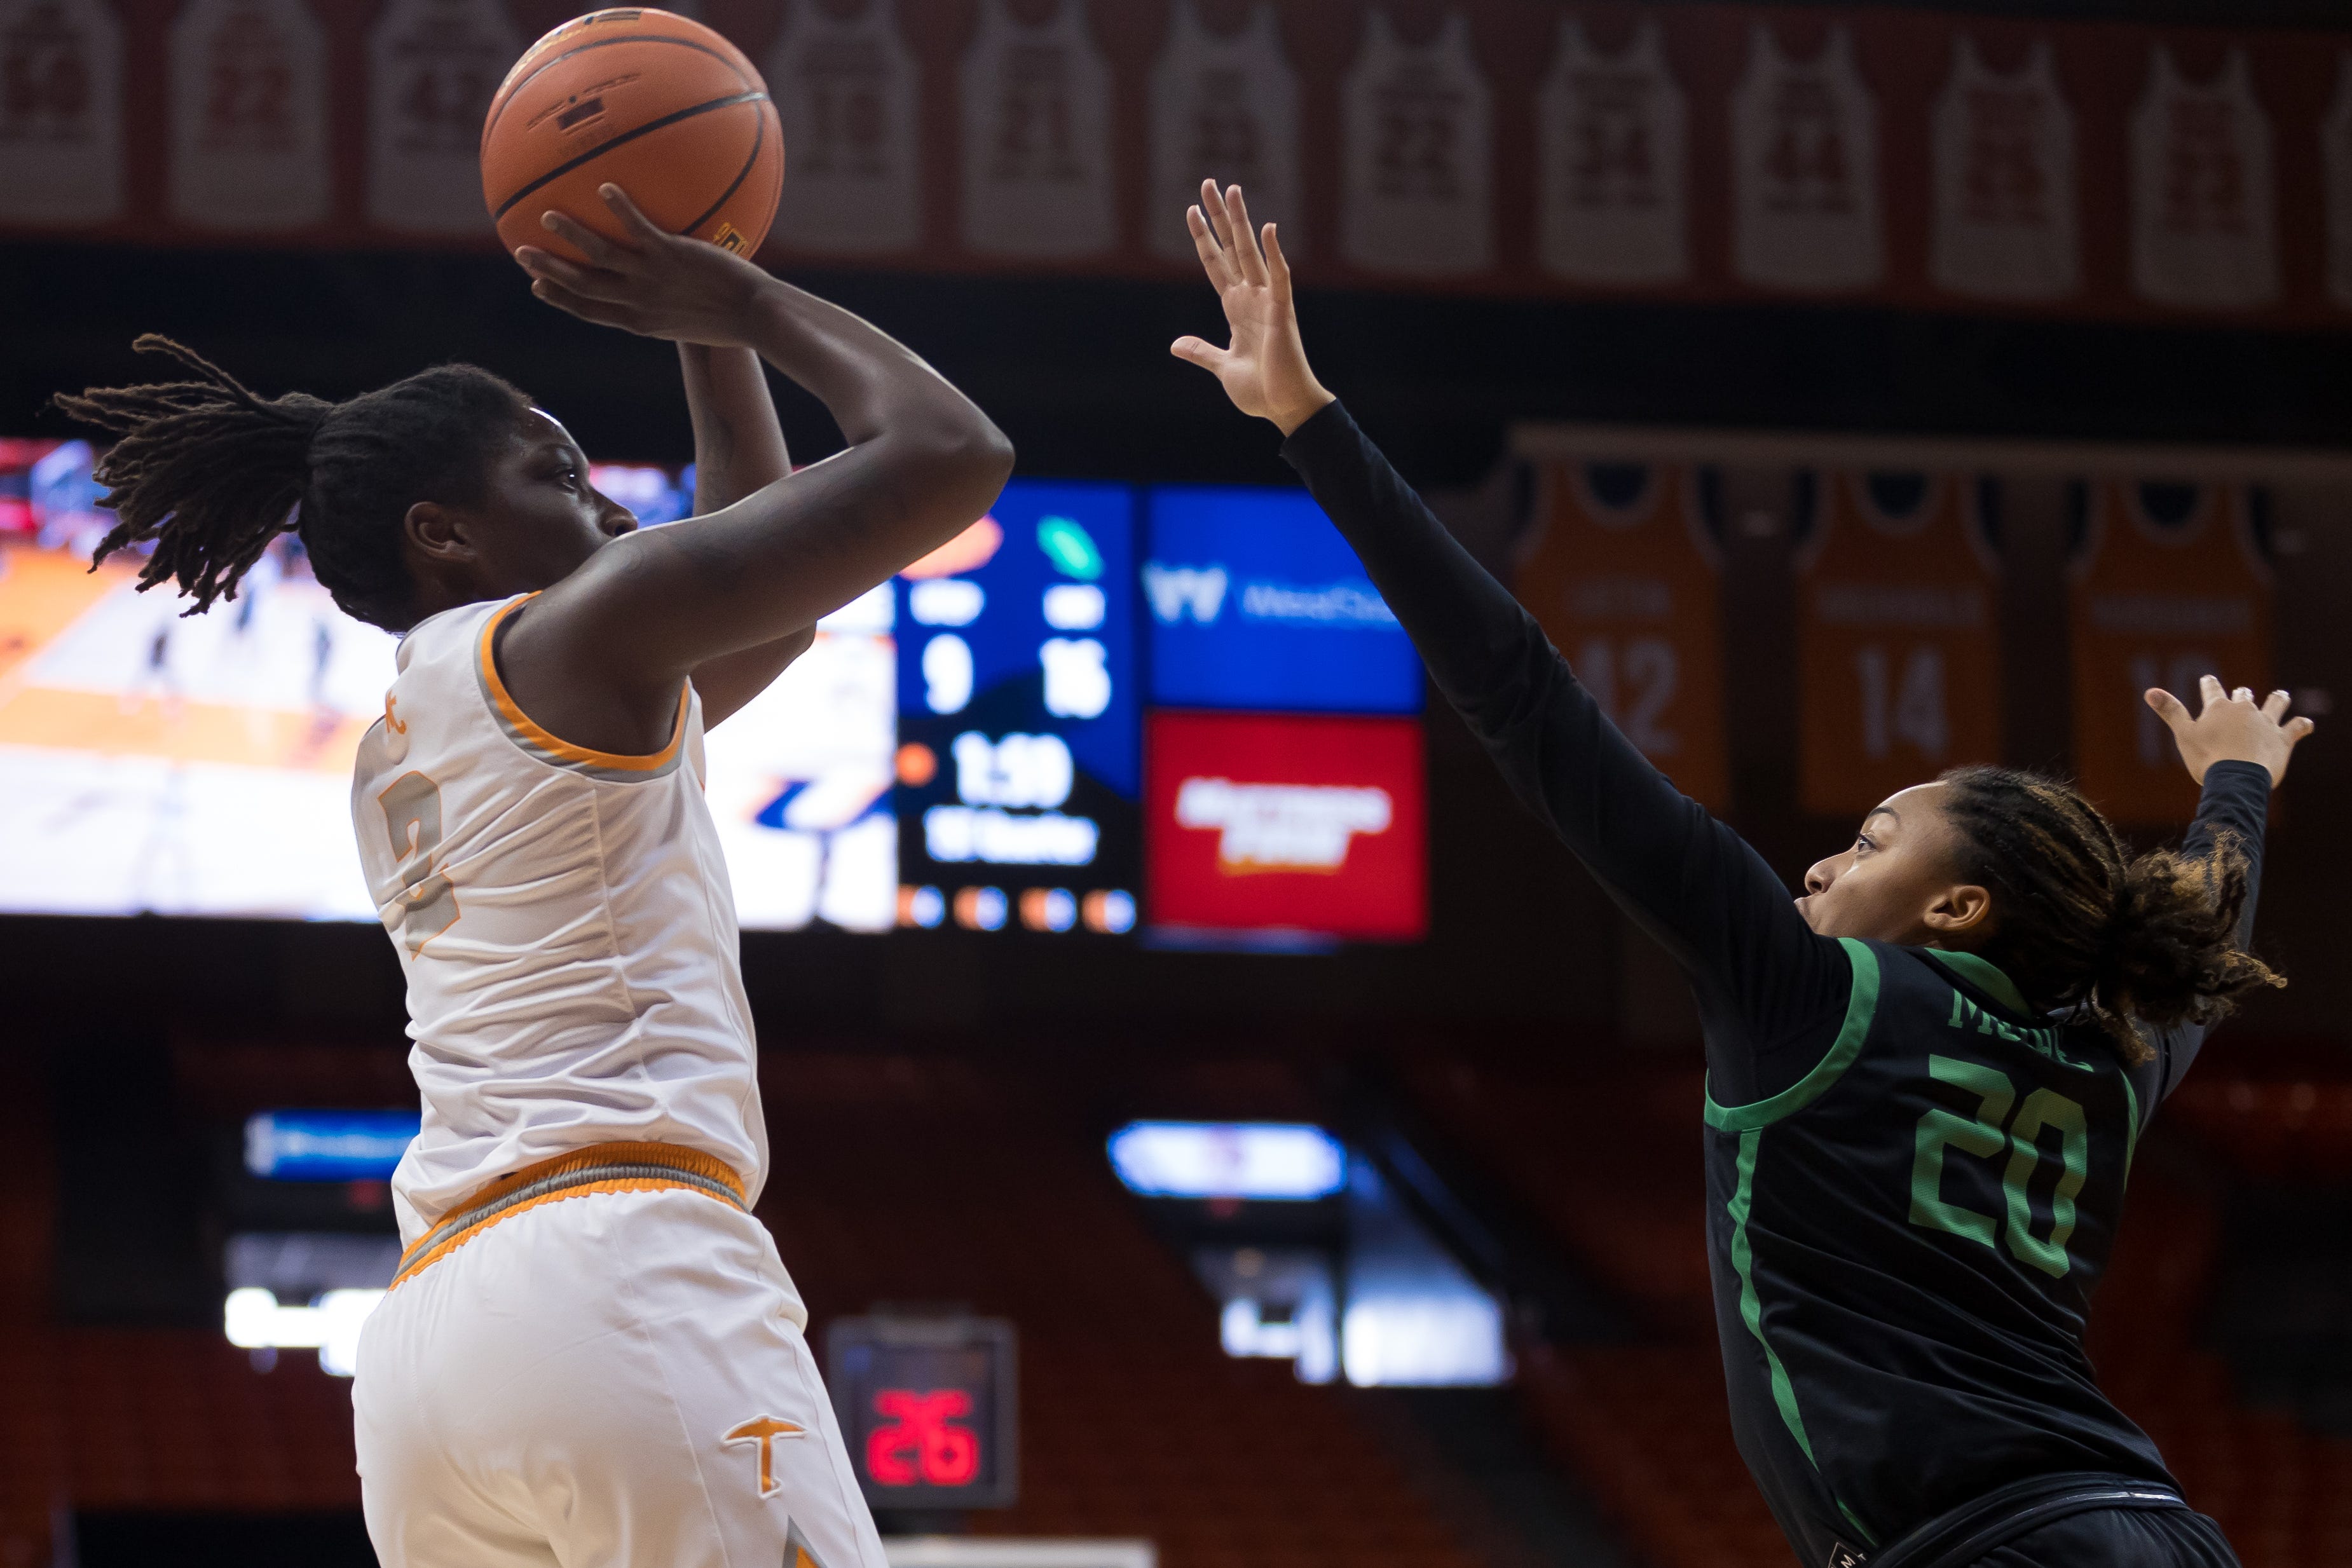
846	89
1804	155
1418	178
565	923
1223	108
2004	150
2336	156
2202	228
1613	156
1037	137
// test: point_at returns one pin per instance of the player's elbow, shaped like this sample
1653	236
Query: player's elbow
968	457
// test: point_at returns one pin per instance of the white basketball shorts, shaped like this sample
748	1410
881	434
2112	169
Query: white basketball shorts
616	1379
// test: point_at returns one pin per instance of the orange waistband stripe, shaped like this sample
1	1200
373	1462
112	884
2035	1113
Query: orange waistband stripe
598	1167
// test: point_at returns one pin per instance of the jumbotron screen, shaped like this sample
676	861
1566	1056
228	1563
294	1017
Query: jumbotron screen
991	779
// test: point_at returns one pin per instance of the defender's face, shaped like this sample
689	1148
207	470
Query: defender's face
1882	886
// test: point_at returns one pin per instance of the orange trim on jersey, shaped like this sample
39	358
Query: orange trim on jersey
523	725
495	1200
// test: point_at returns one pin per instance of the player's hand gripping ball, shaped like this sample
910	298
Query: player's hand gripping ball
652	102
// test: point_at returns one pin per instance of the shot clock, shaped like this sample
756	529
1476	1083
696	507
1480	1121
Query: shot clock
927	1410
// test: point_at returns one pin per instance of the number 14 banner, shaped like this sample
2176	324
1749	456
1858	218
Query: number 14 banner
1898	646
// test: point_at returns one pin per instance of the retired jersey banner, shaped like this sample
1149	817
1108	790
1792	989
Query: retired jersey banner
1948	161
1304	826
1621	573
1898	648
2170	585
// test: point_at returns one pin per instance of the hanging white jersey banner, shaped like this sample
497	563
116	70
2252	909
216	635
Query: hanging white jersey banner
1418	177
1037	137
1804	156
2204	231
60	113
845	87
248	115
433	66
1223	108
1612	155
2335	158
2005	191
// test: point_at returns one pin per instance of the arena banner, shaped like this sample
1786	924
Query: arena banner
2131	566
1898	649
1621	572
1875	156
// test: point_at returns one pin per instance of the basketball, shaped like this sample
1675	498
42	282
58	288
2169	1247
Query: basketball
654	103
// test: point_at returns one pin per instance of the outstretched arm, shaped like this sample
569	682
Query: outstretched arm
2237	750
739	447
651	608
1763	978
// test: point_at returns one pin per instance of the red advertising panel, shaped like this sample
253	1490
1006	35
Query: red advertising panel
1288	823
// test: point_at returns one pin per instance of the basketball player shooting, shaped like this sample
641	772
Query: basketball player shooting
591	1354
1926	1075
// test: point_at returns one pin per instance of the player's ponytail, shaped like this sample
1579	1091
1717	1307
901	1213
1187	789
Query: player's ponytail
208	473
205	471
2080	923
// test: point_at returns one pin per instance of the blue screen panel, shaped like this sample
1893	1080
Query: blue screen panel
327	1145
1257	602
1020	716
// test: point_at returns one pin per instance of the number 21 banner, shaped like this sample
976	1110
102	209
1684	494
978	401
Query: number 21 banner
1897	638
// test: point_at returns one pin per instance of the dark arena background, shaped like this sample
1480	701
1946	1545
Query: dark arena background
1215	1126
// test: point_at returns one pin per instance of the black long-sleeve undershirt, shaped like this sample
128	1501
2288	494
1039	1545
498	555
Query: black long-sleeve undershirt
1770	991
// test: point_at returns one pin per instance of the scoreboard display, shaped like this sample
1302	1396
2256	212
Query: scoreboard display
1019	765
927	1410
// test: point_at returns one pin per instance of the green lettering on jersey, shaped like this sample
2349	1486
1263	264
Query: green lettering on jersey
1982	1137
1979	1136
2040	1041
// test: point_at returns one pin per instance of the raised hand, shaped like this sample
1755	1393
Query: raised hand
2231	726
1265	368
655	284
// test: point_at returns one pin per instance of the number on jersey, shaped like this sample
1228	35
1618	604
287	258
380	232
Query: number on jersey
427	904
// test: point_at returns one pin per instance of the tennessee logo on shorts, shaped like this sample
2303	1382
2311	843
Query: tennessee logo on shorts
765	1430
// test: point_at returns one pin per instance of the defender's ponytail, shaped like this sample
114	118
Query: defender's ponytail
2149	940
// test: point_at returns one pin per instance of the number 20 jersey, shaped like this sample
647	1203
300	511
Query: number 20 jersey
1904	1245
565	923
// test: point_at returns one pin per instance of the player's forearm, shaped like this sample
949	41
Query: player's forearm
739	446
2235	804
872	384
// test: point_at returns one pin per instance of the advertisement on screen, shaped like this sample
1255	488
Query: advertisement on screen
1274	824
202	765
1257	602
1018	708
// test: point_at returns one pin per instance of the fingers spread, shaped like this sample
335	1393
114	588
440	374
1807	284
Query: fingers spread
2274	705
1194	351
603	312
639	225
2296	728
2167	707
1277	267
591	244
2243	694
1252	265
2209	690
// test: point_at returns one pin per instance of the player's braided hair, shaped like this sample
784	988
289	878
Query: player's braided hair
2081	922
210	473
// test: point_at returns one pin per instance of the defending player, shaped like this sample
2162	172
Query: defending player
592	1354
1925	1076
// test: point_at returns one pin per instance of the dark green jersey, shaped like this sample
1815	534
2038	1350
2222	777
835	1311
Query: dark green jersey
1906	1242
1914	1181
